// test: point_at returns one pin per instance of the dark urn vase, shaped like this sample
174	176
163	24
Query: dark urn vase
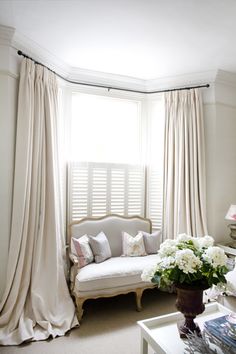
190	303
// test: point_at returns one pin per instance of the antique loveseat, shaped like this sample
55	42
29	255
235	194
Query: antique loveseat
115	273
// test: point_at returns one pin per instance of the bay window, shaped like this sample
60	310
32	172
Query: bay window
115	157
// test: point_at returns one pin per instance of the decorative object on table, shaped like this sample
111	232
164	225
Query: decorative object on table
189	302
190	264
222	329
231	216
206	344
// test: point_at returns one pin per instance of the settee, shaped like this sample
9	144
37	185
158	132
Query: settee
116	275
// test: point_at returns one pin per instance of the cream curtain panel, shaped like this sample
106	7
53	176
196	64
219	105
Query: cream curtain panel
36	303
184	201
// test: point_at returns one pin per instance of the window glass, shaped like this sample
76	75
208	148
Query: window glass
105	129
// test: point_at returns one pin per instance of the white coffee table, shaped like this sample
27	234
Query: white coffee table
161	332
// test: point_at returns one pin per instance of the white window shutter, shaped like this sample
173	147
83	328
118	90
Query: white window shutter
136	189
97	189
154	200
78	201
117	194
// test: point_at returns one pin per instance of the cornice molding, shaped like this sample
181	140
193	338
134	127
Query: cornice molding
31	48
226	78
34	50
106	79
225	88
6	35
9	36
190	79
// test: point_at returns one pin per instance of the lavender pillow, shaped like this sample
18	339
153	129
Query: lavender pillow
152	241
100	247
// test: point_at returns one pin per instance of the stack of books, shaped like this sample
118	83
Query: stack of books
219	329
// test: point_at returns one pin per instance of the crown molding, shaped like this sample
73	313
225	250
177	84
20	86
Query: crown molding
106	79
225	88
6	35
17	41
190	79
34	50
226	78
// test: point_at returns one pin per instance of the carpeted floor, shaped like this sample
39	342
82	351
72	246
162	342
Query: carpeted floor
108	327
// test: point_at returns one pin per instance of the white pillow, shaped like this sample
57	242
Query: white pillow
151	241
80	248
100	246
133	246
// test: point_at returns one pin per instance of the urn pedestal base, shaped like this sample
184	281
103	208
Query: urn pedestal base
189	302
185	331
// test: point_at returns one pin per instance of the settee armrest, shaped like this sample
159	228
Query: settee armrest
76	268
74	260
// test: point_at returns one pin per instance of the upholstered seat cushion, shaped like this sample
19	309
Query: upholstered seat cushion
113	273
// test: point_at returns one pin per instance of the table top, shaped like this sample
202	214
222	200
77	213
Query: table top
162	333
226	247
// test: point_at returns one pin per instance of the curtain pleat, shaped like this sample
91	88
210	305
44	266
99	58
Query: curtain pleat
36	303
184	195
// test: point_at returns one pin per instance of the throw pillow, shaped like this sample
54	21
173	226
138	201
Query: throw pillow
100	247
152	241
133	246
80	248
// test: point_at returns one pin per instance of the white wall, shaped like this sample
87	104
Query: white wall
8	104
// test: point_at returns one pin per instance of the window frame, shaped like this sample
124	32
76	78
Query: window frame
145	116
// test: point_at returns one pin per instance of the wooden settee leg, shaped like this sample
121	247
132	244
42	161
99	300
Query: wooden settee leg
79	305
138	294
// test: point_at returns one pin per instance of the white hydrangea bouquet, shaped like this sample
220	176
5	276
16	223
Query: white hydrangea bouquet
190	261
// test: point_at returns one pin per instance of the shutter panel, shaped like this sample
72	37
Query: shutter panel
154	201
117	190
78	191
136	189
97	189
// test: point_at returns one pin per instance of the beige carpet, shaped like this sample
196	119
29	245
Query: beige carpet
109	327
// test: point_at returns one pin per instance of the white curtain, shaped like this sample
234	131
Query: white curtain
184	200
36	303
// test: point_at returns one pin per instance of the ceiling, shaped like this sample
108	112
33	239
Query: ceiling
145	39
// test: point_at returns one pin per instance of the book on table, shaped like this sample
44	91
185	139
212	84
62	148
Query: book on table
220	331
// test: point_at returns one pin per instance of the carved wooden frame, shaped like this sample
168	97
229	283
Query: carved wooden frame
138	295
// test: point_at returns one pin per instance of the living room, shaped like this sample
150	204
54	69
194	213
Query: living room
126	60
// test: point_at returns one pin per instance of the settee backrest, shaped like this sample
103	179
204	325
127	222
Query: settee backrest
112	226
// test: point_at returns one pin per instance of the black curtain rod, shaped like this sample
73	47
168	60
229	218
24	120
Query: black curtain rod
19	52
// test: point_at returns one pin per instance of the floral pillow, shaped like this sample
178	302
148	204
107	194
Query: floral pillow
133	246
80	248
